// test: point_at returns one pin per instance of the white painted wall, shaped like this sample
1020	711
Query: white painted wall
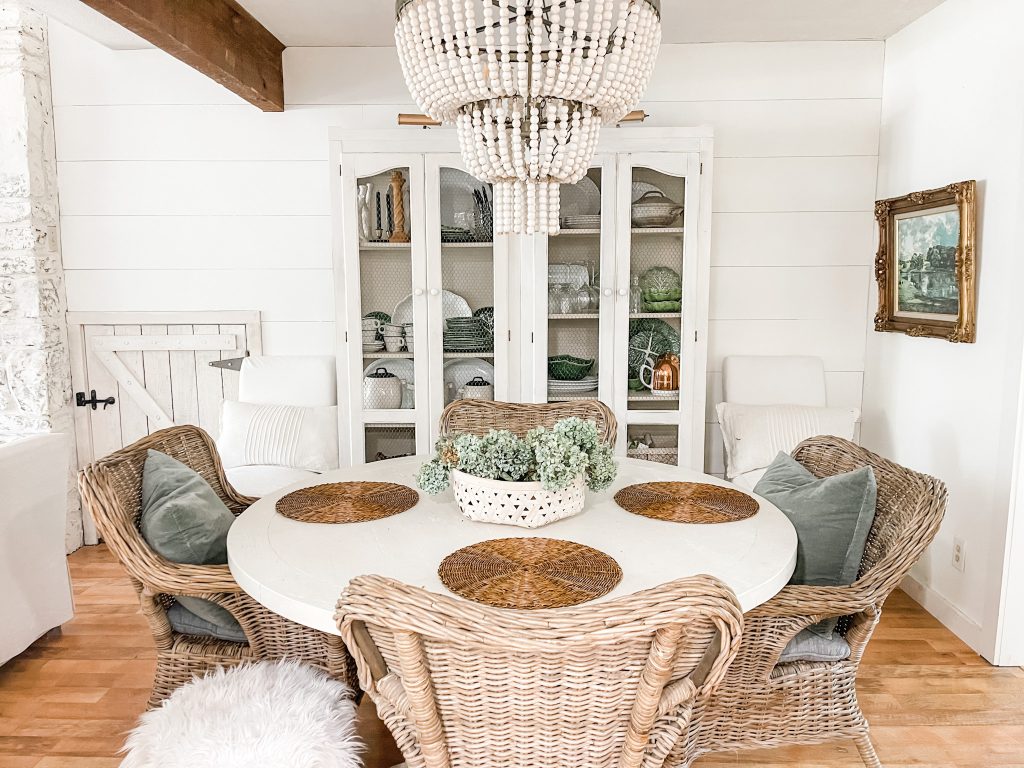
176	195
953	109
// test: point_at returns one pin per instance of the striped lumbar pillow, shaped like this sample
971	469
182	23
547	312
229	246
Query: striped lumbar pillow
279	435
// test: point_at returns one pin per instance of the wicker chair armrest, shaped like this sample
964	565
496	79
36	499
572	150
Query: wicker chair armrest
390	689
162	575
798	601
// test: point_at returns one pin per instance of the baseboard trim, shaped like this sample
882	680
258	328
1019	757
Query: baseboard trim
955	620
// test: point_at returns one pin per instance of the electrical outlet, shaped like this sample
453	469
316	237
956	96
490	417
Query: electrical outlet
959	554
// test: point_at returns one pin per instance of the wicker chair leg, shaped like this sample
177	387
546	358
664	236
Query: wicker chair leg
173	670
867	751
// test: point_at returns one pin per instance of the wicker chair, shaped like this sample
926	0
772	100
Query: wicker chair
611	685
477	417
763	703
111	490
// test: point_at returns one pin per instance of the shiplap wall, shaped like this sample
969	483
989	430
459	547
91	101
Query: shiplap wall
175	195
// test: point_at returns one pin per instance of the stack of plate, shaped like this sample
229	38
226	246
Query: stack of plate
567	388
582	221
467	334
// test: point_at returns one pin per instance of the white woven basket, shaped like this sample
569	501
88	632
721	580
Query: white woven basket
527	505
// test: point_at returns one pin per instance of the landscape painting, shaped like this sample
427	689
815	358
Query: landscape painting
926	263
927	245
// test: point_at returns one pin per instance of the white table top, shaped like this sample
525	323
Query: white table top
299	569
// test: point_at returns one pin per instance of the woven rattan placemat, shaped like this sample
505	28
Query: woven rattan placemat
352	502
529	573
687	502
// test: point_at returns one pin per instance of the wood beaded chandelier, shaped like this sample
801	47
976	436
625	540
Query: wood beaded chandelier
527	84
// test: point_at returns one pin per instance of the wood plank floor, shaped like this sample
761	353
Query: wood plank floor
68	700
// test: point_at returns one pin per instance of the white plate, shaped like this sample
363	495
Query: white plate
453	304
580	199
581	222
459	372
403	368
641	188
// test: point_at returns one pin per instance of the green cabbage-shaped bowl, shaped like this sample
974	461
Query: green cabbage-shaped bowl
568	368
661	284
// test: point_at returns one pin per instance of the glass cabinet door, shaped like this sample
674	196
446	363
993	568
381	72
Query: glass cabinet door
467	302
579	304
656	286
385	291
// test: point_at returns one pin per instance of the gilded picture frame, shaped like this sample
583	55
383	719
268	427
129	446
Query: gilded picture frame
926	262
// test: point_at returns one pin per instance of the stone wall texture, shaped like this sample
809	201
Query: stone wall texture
35	371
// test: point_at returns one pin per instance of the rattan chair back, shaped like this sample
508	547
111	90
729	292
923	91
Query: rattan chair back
765	703
478	417
908	511
111	490
608	685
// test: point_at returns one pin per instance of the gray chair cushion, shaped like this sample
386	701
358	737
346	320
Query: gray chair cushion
810	646
832	517
184	520
184	621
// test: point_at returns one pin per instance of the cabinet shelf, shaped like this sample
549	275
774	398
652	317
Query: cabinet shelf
389	417
580	316
388	355
552	398
466	355
651	399
577	232
384	246
654	315
657	230
475	244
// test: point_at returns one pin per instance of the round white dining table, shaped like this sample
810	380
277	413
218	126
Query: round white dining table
298	569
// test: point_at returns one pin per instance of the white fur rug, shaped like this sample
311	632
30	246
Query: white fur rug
262	715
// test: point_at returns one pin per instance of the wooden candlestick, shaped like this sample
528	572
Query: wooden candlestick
399	235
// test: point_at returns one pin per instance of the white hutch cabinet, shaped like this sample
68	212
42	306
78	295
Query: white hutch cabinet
451	267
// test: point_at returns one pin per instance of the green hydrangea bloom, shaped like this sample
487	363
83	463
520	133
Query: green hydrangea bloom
603	469
433	477
555	457
512	457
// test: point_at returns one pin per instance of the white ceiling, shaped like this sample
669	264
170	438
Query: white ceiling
370	22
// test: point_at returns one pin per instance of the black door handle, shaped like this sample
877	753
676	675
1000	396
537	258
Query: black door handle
81	402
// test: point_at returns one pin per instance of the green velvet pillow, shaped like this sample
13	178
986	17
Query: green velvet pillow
832	517
184	520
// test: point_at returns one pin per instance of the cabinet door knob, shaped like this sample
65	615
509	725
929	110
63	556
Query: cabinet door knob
418	291
607	291
434	291
622	291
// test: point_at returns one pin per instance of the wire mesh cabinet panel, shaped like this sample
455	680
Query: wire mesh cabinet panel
625	281
660	307
383	307
572	290
422	290
467	286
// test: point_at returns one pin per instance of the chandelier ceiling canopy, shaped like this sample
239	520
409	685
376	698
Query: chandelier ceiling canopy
527	84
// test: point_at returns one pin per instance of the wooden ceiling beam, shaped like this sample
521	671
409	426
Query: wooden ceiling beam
216	37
